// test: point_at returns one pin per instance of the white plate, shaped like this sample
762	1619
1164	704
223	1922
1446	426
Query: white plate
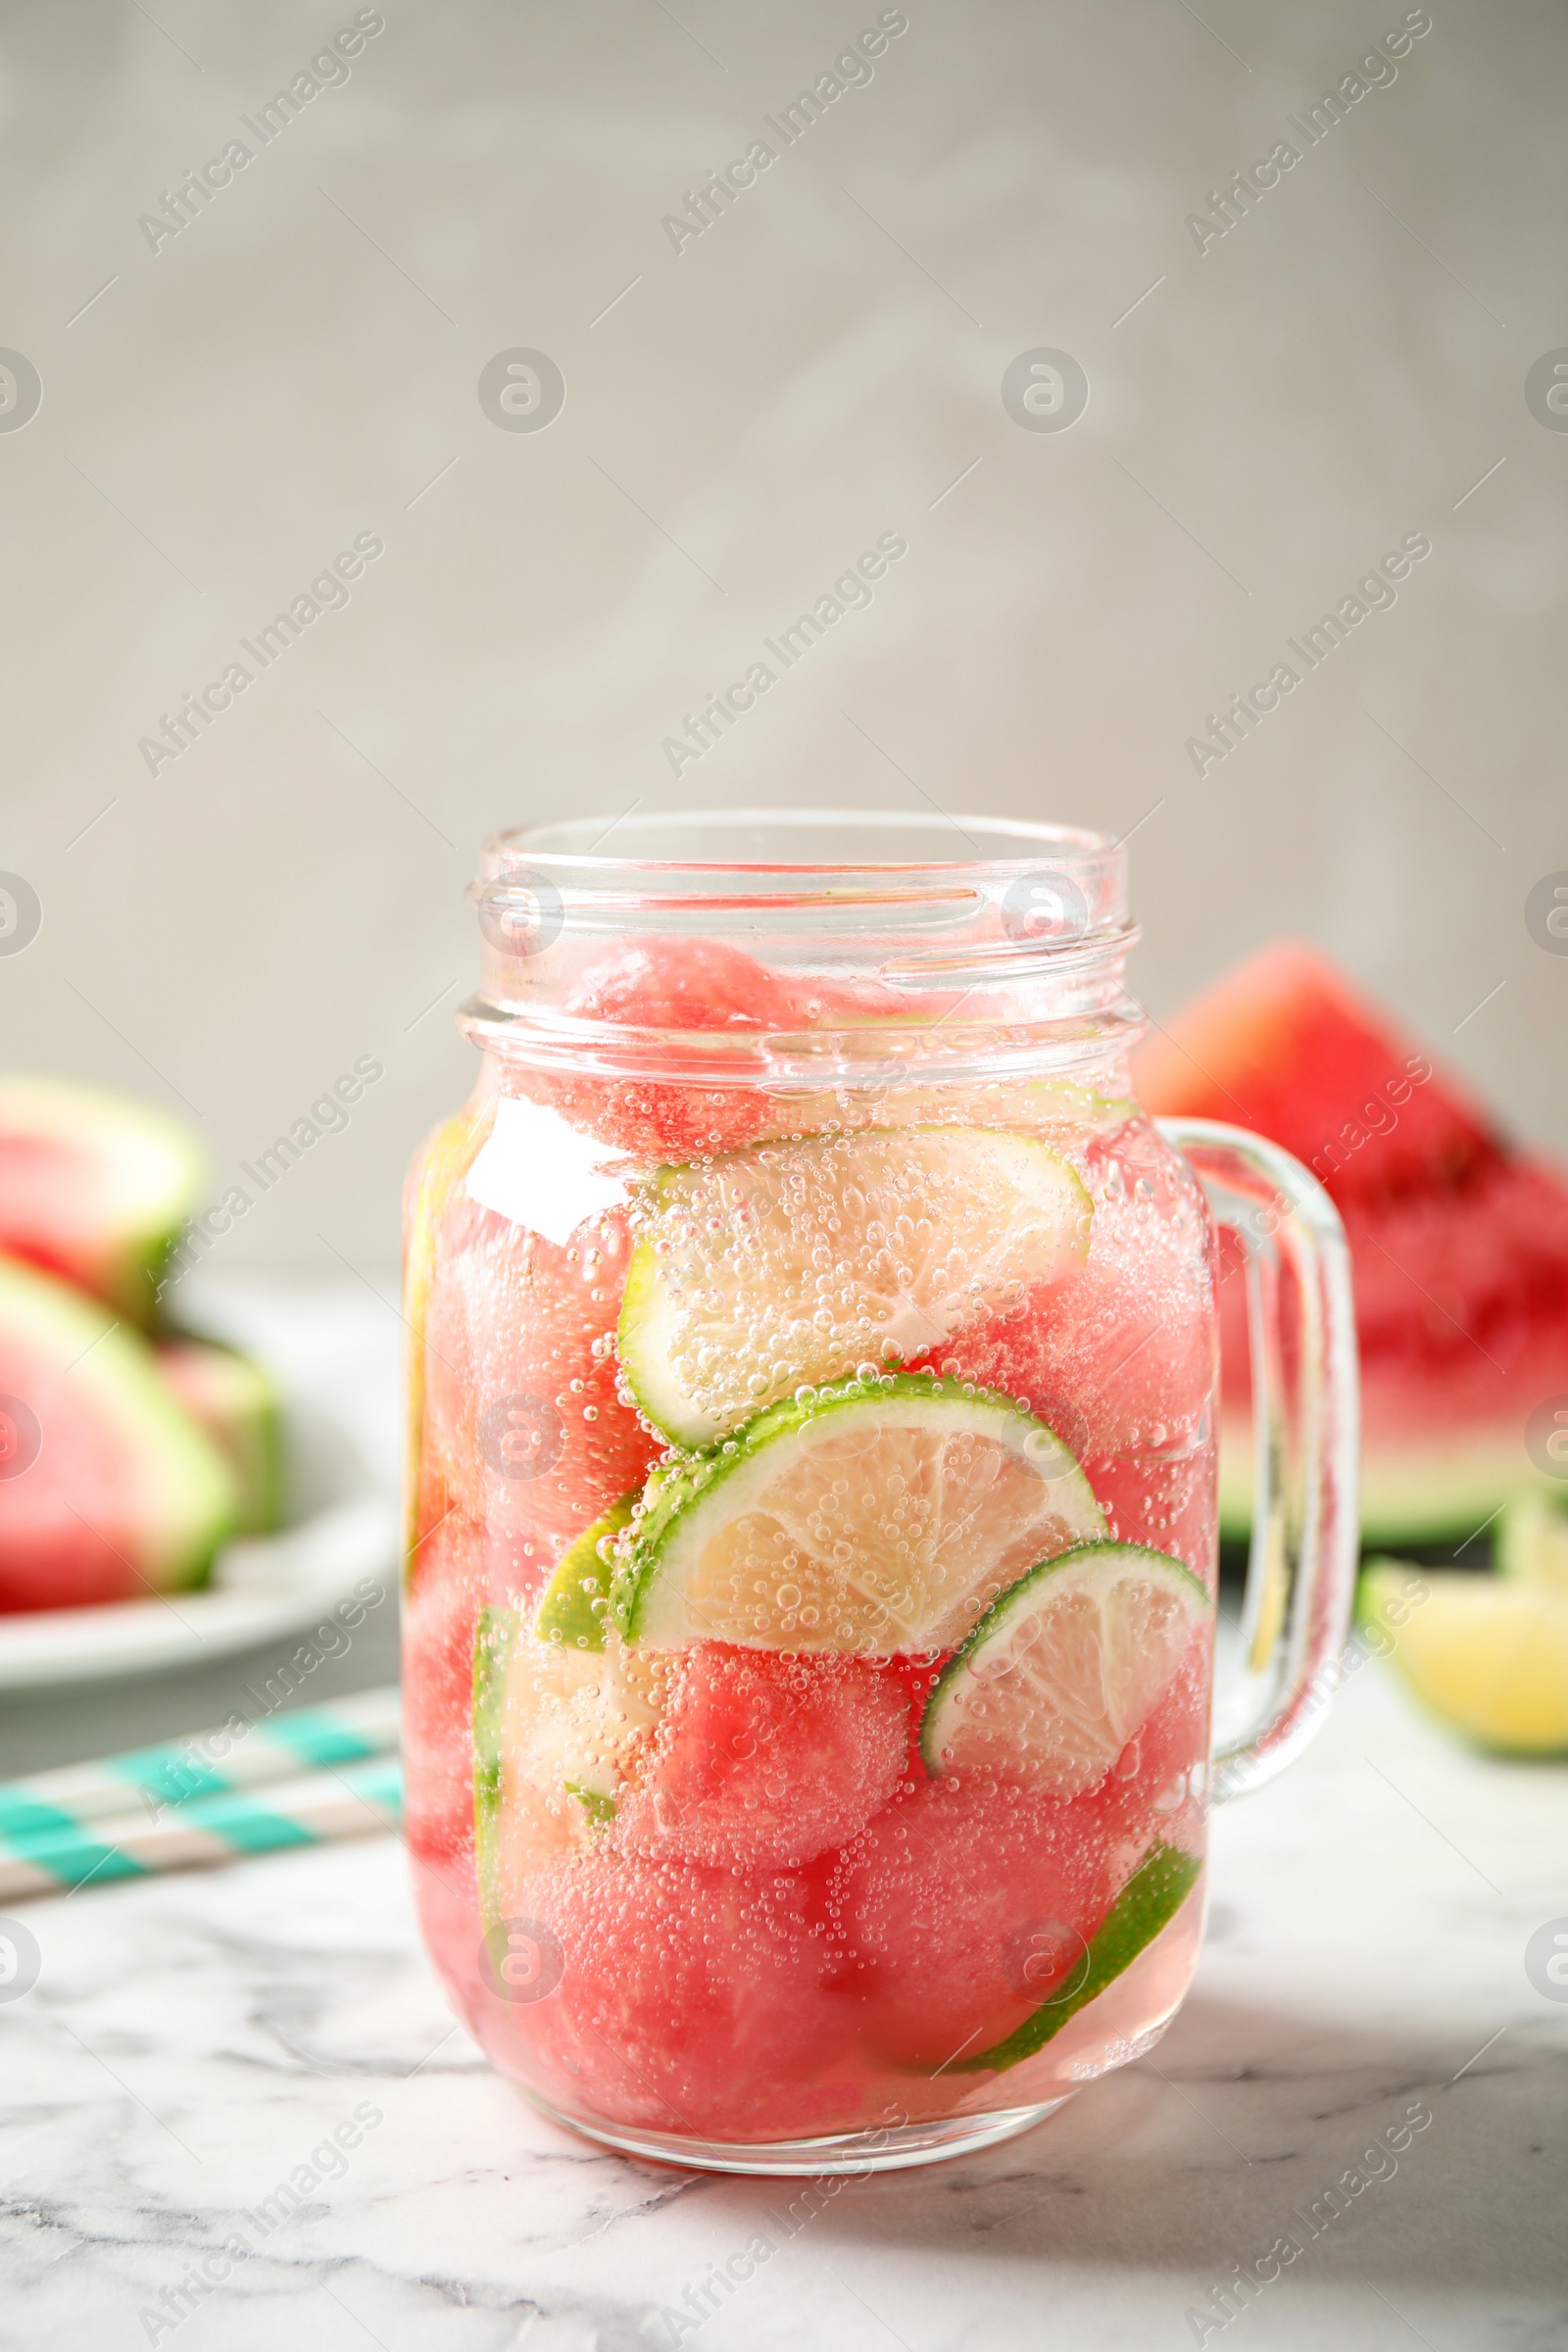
344	1526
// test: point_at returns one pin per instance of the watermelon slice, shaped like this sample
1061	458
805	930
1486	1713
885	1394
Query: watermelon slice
1459	1240
1286	1046
236	1402
93	1187
107	1490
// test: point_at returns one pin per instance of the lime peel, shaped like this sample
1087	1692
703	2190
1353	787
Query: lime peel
599	1808
575	1602
1148	1902
494	1633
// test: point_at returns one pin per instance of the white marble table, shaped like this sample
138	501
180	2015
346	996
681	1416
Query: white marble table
192	2040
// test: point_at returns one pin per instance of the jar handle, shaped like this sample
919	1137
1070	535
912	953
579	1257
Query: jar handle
1300	1574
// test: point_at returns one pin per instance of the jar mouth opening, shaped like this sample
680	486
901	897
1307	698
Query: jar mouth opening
784	873
721	924
701	842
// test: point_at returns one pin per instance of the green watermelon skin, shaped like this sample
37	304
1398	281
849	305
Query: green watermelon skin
1417	1494
1458	1239
235	1401
107	1490
93	1188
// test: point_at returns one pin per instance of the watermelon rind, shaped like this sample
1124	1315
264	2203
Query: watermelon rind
235	1401
1439	1492
1444	1493
1530	1541
144	1170
182	1503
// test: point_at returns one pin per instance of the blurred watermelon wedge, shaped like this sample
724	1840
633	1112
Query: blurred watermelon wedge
93	1188
236	1402
1286	1045
107	1490
1459	1240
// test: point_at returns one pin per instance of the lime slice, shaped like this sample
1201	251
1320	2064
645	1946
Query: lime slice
576	1599
1066	1667
1150	1900
556	1732
1488	1654
1532	1541
573	1715
599	1809
884	1515
797	1263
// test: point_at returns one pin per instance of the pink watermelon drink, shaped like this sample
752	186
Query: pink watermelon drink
809	1624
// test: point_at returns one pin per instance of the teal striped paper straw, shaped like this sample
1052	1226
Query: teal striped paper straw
229	1756
314	1810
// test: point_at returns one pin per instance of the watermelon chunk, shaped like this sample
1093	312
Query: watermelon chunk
107	1490
93	1188
965	1902
236	1402
680	985
523	1423
765	1761
689	1999
1459	1240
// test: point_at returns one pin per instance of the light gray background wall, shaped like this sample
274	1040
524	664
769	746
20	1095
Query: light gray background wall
300	365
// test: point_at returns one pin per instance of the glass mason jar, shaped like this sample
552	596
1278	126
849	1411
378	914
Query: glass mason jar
811	1556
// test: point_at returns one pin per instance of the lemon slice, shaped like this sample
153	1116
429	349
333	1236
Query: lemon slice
1488	1654
883	1516
1065	1669
791	1264
443	1160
